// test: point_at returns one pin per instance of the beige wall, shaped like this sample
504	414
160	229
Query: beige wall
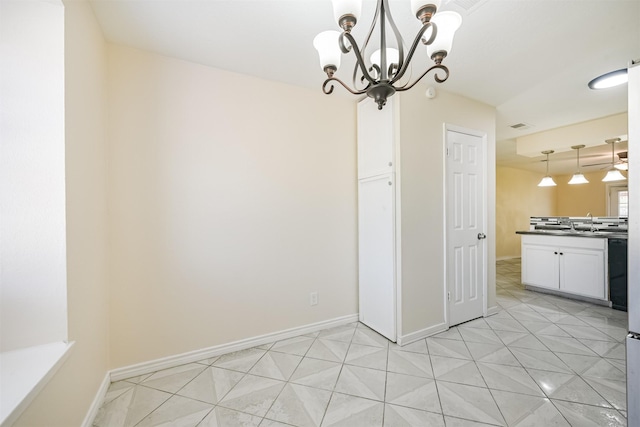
422	164
518	198
231	198
66	399
580	199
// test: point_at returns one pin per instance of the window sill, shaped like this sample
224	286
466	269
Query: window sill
24	373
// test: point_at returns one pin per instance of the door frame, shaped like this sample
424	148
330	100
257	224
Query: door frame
485	164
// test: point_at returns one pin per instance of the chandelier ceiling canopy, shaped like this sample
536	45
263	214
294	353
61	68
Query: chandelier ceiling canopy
381	75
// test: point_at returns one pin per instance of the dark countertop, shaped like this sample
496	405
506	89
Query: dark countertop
578	233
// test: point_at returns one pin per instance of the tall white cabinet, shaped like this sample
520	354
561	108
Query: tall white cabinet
378	228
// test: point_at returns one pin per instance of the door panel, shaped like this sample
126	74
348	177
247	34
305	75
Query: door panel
465	219
377	254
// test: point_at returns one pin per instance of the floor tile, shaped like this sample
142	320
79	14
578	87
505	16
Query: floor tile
579	363
509	378
253	395
172	380
605	369
528	341
448	348
399	416
297	345
241	361
278	366
522	410
471	403
459	422
614	391
366	336
617	352
412	392
177	411
300	406
419	346
208	361
451	334
492	353
131	407
351	411
505	325
211	385
479	335
325	349
116	389
588	332
589	416
367	356
317	373
457	371
361	382
565	345
540	359
567	387
416	364
223	417
339	333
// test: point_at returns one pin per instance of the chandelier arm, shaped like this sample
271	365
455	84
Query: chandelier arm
360	60
329	90
414	46
437	79
398	36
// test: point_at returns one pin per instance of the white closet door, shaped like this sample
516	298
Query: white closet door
377	254
375	139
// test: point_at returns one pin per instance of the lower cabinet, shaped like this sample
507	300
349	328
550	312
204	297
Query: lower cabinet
575	265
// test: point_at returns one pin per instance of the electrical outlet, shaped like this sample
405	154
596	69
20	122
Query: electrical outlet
313	298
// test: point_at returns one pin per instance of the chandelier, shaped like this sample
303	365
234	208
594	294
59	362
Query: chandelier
380	77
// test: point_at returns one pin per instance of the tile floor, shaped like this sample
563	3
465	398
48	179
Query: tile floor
541	361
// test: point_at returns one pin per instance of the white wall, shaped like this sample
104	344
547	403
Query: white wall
33	300
423	203
231	199
66	399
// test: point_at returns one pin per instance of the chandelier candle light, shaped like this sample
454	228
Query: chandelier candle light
388	64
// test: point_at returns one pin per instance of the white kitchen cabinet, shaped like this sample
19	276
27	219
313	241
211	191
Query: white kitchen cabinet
575	265
377	228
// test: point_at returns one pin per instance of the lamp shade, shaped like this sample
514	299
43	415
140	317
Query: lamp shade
392	56
547	181
326	43
448	23
578	178
613	175
346	7
416	5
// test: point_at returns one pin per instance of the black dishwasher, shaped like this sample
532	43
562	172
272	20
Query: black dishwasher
618	273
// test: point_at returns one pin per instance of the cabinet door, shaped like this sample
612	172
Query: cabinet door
540	266
582	272
375	139
376	240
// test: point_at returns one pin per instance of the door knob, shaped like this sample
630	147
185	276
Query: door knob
481	236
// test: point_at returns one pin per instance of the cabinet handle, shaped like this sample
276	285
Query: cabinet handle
390	183
390	163
561	253
555	253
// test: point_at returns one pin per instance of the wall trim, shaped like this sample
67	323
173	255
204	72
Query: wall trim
206	353
507	257
97	401
492	310
422	333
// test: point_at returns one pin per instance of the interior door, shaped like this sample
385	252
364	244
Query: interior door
376	240
465	218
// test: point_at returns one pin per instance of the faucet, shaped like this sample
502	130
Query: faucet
592	228
571	224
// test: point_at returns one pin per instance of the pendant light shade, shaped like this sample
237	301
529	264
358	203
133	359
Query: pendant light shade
578	177
613	174
547	181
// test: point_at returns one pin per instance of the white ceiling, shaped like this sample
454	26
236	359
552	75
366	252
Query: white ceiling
531	59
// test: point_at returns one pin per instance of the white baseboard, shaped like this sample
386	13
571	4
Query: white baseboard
206	353
423	333
506	258
492	310
97	401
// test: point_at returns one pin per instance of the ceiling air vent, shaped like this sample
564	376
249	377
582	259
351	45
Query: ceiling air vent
520	126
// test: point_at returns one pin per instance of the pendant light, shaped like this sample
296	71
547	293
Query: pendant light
613	174
547	181
577	177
